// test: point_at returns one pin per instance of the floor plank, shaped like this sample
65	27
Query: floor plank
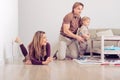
59	70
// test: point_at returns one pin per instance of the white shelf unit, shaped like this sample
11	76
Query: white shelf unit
108	38
101	50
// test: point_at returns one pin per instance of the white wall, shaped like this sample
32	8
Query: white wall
47	15
8	27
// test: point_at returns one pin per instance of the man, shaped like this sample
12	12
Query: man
68	37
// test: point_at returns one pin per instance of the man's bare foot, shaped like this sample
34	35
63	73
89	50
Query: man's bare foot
18	40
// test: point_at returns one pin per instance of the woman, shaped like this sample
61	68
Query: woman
39	50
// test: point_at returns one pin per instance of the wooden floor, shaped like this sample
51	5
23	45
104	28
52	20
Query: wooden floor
59	70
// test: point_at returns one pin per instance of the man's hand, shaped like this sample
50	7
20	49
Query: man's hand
79	38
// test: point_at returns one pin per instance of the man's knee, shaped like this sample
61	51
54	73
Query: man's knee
74	54
60	56
62	50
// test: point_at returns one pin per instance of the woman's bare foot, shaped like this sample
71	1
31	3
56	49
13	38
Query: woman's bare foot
18	40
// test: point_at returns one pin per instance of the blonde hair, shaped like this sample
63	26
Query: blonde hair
84	19
36	45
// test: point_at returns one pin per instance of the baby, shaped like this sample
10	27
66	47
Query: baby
83	32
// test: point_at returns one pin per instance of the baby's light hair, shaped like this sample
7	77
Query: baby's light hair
85	18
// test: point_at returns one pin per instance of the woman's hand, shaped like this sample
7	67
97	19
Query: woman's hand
48	60
28	62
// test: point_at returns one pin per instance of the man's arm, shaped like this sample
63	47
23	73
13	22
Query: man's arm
70	34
